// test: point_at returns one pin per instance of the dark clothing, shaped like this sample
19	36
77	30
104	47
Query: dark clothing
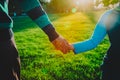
34	10
9	59
109	24
111	65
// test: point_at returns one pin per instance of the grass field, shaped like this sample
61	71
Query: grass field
39	59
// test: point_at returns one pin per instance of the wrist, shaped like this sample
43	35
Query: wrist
51	32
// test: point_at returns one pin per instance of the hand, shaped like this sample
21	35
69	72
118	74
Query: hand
61	44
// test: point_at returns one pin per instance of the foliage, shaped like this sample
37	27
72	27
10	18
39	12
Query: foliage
97	2
40	61
107	2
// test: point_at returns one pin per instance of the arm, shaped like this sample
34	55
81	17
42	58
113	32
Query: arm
98	35
35	11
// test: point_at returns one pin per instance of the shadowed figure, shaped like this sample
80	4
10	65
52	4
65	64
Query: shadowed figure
109	24
9	58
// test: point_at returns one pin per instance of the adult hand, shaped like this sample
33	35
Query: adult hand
61	44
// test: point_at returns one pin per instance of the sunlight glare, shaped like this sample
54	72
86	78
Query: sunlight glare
48	0
82	2
77	2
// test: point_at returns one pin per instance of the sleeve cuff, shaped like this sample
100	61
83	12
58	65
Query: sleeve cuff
75	48
50	31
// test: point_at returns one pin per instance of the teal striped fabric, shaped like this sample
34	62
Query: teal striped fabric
34	10
6	25
26	5
4	7
42	21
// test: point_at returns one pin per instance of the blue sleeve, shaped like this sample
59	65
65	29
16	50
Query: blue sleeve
98	35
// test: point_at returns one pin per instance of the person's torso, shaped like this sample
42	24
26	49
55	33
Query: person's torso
113	30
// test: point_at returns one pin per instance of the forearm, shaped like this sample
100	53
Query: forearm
97	37
39	16
84	46
51	32
35	11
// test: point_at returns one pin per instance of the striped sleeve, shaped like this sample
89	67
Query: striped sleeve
35	11
5	19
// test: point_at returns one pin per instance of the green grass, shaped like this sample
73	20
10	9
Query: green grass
39	59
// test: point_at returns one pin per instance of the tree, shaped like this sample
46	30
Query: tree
97	2
108	2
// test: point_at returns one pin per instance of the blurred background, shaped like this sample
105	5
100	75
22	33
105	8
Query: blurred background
66	6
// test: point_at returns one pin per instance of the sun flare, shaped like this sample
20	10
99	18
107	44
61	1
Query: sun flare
83	2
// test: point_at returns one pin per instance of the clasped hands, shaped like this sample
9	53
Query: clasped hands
61	44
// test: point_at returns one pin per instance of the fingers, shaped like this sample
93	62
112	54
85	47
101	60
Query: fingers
66	47
71	47
62	45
